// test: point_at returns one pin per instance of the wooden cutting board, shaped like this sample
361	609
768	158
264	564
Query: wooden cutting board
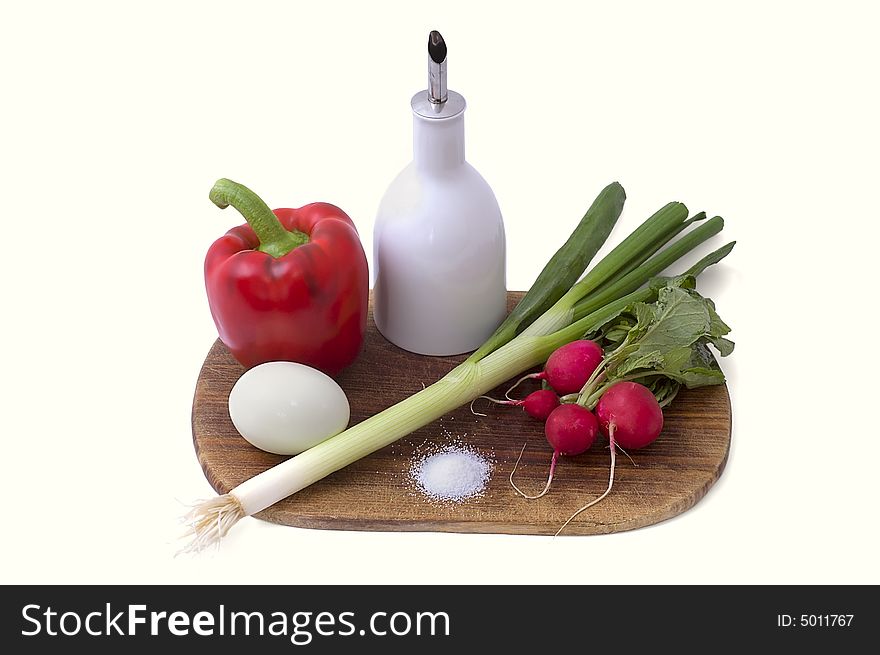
377	493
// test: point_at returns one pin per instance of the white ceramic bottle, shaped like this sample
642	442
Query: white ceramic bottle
438	241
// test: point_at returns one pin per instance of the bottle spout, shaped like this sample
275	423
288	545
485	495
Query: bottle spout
438	91
437	102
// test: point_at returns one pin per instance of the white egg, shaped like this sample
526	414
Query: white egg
286	408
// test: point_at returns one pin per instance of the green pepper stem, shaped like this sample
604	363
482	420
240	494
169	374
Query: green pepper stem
274	239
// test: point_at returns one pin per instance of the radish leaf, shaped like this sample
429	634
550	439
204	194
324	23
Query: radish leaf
662	343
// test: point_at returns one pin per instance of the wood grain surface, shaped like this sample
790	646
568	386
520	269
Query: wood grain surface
377	493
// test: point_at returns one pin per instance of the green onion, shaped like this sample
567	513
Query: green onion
649	252
657	229
644	272
563	269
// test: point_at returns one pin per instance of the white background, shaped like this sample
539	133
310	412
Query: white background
118	117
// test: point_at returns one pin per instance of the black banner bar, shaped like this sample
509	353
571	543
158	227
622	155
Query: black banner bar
318	619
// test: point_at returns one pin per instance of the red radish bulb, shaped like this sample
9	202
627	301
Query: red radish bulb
633	412
571	429
630	416
570	366
539	404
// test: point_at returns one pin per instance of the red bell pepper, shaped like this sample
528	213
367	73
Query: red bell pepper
290	285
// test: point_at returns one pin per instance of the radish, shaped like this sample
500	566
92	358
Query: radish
629	415
571	430
540	404
569	367
537	404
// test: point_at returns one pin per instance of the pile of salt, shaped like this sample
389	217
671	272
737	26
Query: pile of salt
452	474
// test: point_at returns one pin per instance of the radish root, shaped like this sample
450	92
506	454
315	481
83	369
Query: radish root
475	413
610	483
631	460
530	376
210	520
549	478
492	400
